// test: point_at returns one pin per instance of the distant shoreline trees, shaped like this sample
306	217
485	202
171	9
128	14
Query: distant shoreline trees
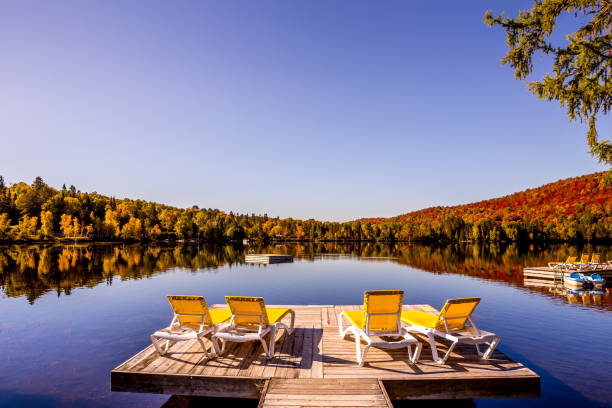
575	209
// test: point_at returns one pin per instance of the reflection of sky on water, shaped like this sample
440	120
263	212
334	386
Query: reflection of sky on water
59	350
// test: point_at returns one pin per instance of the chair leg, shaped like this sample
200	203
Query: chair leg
434	349
292	324
215	342
273	340
448	353
215	346
265	347
358	349
283	326
414	357
199	339
359	356
489	351
361	361
340	326
342	330
157	346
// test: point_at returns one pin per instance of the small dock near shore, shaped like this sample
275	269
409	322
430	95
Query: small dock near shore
267	258
545	276
315	367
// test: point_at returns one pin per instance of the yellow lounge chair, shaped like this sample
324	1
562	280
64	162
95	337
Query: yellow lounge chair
380	317
251	321
595	261
569	263
450	324
584	261
192	320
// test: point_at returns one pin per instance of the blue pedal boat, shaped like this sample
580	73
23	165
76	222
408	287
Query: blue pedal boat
575	279
595	279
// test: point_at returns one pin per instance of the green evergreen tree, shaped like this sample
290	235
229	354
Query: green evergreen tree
581	79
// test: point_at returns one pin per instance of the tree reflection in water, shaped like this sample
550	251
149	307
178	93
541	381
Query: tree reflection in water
32	270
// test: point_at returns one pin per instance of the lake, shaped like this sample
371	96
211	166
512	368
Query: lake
69	314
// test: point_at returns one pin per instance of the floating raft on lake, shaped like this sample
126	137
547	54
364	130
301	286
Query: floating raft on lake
315	367
267	258
545	276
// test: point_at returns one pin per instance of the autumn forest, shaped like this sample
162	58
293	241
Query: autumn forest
574	209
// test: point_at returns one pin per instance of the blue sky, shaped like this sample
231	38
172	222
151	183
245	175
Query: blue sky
331	110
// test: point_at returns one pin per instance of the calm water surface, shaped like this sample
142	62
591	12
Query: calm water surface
69	314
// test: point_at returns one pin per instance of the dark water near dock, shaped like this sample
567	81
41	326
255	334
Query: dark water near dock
69	314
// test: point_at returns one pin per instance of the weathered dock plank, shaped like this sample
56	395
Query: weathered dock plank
317	358
546	273
324	393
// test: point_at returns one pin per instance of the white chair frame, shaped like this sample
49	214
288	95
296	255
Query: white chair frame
182	334
227	332
468	335
407	339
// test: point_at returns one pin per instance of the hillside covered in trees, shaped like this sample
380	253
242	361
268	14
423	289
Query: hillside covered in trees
575	209
578	208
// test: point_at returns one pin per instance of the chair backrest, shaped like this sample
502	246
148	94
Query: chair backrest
584	258
247	312
595	258
382	310
190	310
456	312
571	259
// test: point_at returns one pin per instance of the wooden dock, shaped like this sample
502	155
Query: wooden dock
322	392
267	258
315	367
545	276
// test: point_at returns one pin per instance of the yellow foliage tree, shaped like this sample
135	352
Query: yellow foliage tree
167	219
76	226
46	223
154	232
27	227
72	206
111	222
66	225
132	230
276	230
5	223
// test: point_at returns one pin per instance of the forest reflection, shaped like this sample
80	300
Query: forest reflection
32	270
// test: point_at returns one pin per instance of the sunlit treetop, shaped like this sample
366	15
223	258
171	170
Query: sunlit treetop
581	76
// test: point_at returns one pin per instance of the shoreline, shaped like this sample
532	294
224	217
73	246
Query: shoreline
85	240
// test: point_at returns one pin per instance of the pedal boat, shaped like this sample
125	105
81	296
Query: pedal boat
575	279
595	279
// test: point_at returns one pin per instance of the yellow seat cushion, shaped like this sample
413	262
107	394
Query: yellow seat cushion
219	315
275	314
419	318
356	318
